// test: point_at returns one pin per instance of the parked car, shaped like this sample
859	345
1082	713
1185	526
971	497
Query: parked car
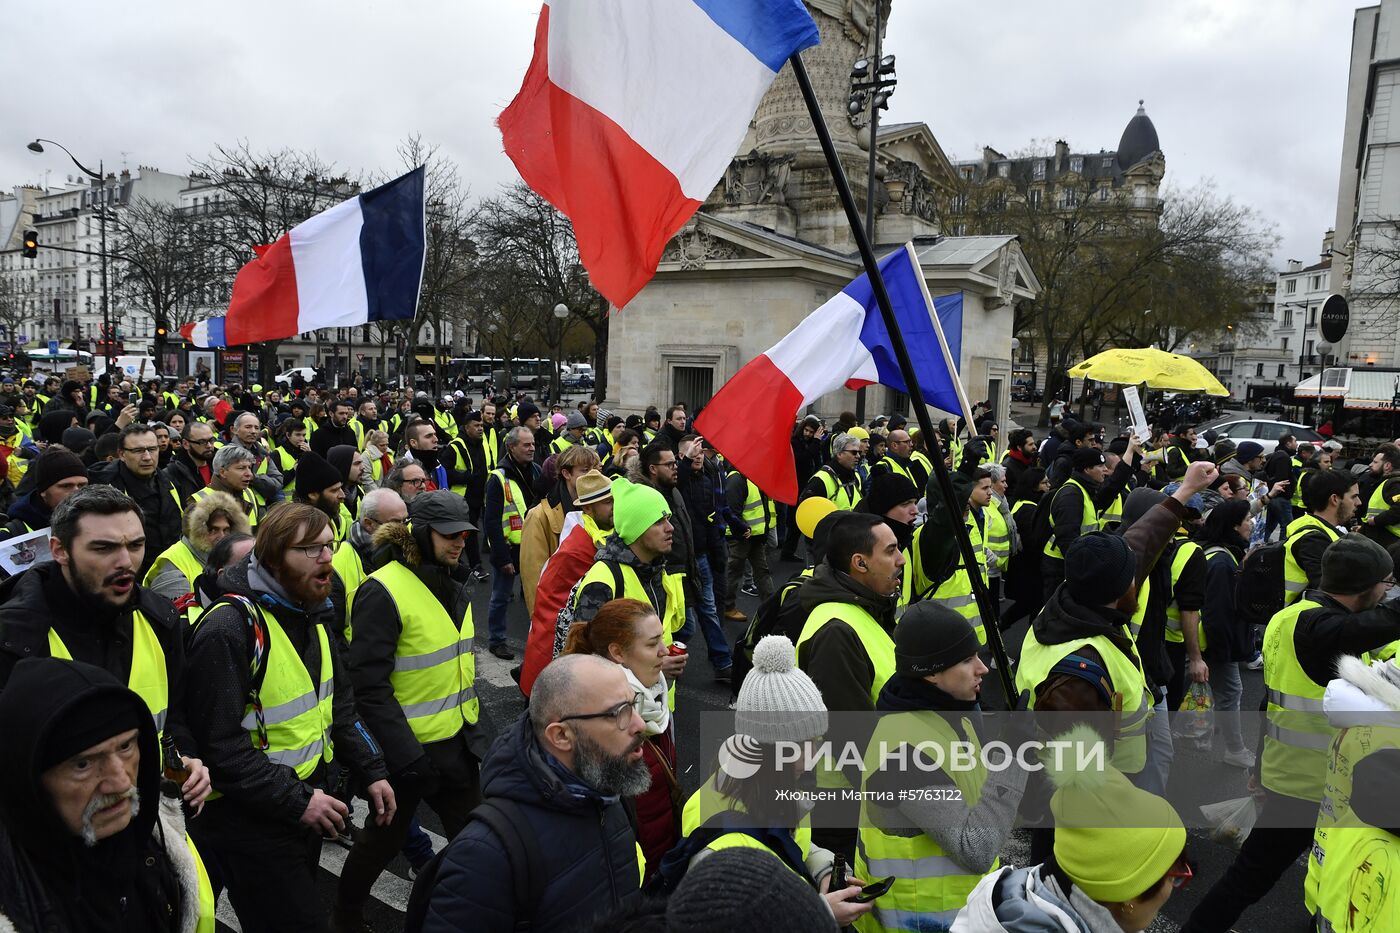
1265	433
307	372
1269	404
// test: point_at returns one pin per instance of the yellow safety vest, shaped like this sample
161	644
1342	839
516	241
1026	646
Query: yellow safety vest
894	466
632	588
1297	734
956	591
1353	866
340	528
512	506
1379	505
708	801
1297	497
348	565
879	647
434	676
1130	739
491	443
148	678
1112	515
930	887
561	443
286	461
179	556
1089	522
845	495
998	538
1184	552
1295	579
204	891
759	514
252	499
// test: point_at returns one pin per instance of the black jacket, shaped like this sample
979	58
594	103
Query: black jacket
377	625
183	473
1279	466
586	840
218	684
592	597
1226	639
525	476
160	513
834	657
40	599
328	435
1323	634
806	455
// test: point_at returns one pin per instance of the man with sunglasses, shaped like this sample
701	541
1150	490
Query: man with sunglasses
414	673
557	777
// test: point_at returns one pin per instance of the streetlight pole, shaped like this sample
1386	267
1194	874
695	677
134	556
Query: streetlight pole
101	195
561	313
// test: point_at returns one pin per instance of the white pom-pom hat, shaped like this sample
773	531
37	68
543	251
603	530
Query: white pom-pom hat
778	702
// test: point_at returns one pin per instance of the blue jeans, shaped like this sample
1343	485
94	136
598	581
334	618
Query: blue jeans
708	616
502	592
1226	688
1153	776
1278	514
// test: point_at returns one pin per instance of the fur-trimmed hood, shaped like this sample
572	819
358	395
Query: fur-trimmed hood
396	541
198	515
1363	694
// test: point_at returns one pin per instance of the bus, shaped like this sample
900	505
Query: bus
471	371
526	375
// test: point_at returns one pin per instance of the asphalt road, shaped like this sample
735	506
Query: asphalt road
501	702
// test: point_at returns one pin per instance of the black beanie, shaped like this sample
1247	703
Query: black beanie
1086	457
888	490
1119	446
78	439
931	637
1099	569
52	425
87	721
1353	564
746	890
314	474
53	465
526	411
340	457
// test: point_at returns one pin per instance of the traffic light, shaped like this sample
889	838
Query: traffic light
160	333
31	244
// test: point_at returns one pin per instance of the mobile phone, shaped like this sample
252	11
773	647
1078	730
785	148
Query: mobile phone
874	890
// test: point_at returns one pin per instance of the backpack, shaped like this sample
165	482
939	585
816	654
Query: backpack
675	863
1259	586
779	614
258	645
506	820
565	619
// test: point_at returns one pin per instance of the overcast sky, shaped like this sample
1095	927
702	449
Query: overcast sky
1249	93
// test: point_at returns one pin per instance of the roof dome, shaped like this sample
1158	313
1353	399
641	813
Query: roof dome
1139	140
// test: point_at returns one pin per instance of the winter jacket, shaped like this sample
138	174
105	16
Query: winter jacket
1324	634
160	513
525	475
1361	696
565	568
218	678
592	596
586	842
266	484
184	474
1028	900
1226	639
658	808
328	435
40	599
834	657
806	456
539	538
1279	466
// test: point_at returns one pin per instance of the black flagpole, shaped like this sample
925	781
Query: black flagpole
906	368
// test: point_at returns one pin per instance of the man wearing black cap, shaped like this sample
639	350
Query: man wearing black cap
410	614
54	476
1075	507
89	843
1344	616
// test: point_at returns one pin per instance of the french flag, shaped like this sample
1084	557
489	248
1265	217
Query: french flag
844	343
360	261
631	111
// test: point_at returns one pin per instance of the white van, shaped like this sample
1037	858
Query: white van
135	368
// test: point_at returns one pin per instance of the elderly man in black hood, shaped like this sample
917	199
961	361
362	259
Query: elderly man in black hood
89	844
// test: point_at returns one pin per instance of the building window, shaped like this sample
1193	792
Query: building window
1280	370
1290	287
1287	317
1033	198
1076	163
1283	342
1315	284
1038	170
1103	192
1108	161
959	203
1004	169
1312	317
1259	369
1069	197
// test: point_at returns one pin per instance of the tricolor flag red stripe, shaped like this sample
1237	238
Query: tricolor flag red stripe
631	111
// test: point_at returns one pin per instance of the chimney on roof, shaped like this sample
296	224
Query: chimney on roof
1061	155
1327	241
126	175
1295	265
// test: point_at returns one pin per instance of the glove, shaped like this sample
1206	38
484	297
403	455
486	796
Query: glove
420	777
1020	722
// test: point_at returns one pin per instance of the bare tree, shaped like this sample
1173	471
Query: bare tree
15	311
161	269
1375	276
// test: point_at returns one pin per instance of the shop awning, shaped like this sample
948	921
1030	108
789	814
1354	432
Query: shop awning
425	359
1359	389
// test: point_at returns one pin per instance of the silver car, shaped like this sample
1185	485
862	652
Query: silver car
1263	432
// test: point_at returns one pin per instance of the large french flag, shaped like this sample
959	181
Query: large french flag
844	343
360	261
631	111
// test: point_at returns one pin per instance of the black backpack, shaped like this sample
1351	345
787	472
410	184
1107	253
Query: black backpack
779	614
507	821
1259	586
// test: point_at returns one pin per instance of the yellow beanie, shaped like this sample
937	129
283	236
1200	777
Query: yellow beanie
1113	840
859	432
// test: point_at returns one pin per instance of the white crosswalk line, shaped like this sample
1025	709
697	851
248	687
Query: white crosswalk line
495	671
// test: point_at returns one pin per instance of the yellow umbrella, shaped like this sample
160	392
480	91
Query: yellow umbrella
1158	368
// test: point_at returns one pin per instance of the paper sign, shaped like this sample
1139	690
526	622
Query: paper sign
1139	416
18	554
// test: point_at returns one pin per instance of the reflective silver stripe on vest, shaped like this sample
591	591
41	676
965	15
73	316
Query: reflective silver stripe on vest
418	662
998	539
293	757
957	602
914	919
927	866
160	720
1136	723
1293	702
284	712
755	522
1309	740
432	707
1289	586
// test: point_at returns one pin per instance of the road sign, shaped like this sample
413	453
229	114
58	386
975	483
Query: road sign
1335	317
21	340
360	357
53	347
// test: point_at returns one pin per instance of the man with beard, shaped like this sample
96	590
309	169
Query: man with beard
422	440
336	429
267	476
1020	456
272	701
407	478
54	476
366	420
89	843
414	610
135	473
86	605
321	486
1332	499
191	467
559	776
510	493
490	432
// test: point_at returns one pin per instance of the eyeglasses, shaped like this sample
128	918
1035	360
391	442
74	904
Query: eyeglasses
421	482
200	442
314	551
621	714
140	451
1181	872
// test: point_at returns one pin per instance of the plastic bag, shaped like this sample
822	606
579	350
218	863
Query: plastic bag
1194	721
1231	820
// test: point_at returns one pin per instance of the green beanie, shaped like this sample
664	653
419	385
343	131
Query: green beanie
635	509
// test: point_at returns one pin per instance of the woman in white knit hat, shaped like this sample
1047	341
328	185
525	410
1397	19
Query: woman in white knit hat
751	793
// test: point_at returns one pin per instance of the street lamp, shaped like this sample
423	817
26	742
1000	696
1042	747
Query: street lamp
97	176
561	312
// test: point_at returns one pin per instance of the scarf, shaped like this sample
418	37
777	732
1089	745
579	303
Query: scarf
655	713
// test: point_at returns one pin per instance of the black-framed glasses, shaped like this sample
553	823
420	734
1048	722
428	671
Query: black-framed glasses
314	551
140	450
200	441
420	482
621	714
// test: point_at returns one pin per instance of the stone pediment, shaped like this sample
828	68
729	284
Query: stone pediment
709	243
915	143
